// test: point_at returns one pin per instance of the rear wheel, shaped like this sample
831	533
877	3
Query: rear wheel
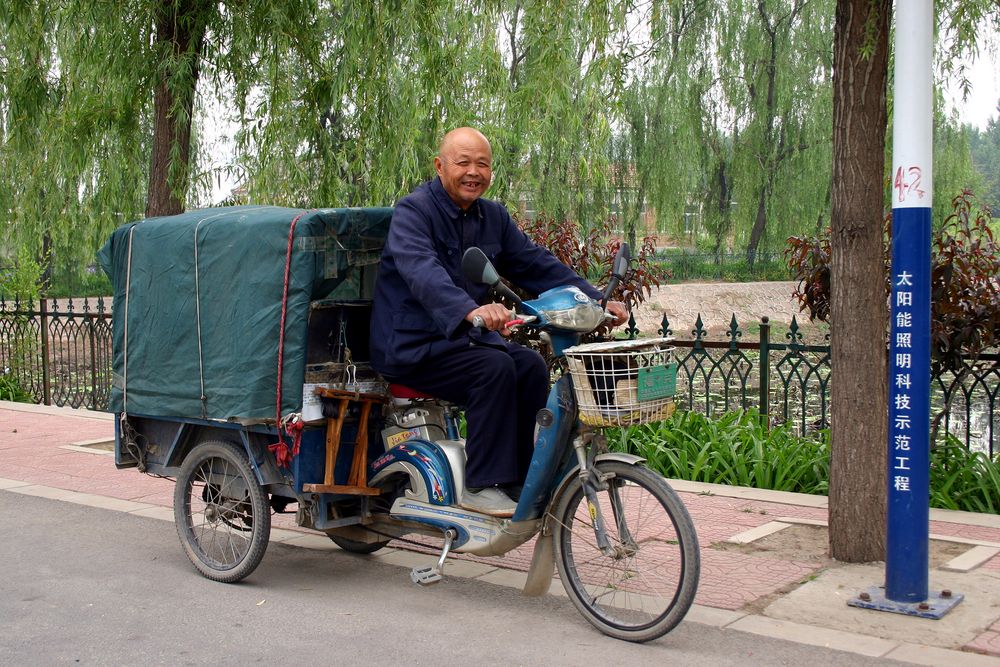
645	583
221	512
356	547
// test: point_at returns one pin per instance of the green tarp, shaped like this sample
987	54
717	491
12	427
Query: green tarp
197	304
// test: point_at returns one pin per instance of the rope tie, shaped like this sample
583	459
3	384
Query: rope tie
291	428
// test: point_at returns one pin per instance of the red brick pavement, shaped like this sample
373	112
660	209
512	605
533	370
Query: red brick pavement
32	449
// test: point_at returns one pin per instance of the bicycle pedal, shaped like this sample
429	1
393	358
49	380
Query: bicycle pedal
425	576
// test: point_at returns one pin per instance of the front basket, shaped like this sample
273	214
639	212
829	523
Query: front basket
619	383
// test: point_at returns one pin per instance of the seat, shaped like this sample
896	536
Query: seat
401	391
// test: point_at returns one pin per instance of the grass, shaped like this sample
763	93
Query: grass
739	450
683	264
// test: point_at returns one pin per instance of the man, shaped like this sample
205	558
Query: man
422	332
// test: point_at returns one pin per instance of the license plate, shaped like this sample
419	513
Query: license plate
657	382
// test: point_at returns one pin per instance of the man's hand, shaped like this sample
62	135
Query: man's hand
617	308
492	316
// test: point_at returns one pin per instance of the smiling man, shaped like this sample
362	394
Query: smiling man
422	334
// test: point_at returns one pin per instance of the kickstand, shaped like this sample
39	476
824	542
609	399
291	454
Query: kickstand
434	573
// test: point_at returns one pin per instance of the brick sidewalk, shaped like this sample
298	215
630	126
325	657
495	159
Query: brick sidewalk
41	448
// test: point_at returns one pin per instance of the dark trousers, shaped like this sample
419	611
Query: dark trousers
501	391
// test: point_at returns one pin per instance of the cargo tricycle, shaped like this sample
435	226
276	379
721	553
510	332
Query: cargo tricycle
241	370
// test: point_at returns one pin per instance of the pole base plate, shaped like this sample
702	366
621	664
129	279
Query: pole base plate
936	605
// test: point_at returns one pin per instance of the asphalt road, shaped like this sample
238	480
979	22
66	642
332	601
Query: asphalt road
93	587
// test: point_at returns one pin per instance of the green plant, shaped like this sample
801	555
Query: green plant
22	284
738	450
963	479
23	281
11	390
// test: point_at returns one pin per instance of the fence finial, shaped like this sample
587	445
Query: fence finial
664	329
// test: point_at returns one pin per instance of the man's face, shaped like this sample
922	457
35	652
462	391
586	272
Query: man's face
465	166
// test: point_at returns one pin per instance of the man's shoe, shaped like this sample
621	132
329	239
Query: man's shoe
491	501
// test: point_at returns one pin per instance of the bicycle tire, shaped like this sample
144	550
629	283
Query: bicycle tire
621	595
221	512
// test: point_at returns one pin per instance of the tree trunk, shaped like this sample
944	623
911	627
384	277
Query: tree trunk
858	301
760	219
180	39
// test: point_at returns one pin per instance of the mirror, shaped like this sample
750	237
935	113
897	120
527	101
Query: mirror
622	259
477	268
618	270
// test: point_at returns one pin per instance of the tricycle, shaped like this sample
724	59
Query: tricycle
367	464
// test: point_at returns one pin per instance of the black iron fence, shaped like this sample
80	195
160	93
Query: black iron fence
60	352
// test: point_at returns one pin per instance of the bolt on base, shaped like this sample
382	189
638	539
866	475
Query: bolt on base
934	607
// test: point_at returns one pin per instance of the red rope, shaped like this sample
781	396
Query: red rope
280	448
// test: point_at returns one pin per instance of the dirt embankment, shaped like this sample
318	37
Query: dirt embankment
717	303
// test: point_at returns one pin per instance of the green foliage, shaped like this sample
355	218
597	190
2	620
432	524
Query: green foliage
985	149
679	265
738	450
20	285
23	281
712	116
11	390
964	480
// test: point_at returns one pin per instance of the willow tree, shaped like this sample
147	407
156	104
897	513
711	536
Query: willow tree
74	124
659	119
774	79
97	104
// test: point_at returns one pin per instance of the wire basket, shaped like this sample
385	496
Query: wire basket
619	383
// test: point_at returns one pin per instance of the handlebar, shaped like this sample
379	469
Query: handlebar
478	321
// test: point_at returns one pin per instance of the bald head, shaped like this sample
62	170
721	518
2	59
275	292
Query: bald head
463	136
465	165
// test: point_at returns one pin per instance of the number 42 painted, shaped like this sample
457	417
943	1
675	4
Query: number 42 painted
904	188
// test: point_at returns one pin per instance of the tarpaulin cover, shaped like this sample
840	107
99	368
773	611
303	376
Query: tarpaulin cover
197	304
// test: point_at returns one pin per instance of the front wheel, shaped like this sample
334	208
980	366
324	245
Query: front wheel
644	582
221	512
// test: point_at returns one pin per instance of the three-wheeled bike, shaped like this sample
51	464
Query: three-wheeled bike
240	363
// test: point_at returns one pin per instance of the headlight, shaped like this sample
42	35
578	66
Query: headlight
582	317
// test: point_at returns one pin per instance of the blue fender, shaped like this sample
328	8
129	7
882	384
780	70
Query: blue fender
429	460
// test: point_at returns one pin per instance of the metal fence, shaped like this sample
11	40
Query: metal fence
60	352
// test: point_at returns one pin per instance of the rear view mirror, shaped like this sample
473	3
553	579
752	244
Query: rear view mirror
477	268
618	270
622	260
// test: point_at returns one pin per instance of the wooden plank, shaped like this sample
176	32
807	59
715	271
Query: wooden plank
359	464
354	396
333	428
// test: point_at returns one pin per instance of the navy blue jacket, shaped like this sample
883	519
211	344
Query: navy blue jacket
422	298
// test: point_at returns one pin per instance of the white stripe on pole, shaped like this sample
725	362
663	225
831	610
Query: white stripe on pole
913	105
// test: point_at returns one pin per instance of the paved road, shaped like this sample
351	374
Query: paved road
90	586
